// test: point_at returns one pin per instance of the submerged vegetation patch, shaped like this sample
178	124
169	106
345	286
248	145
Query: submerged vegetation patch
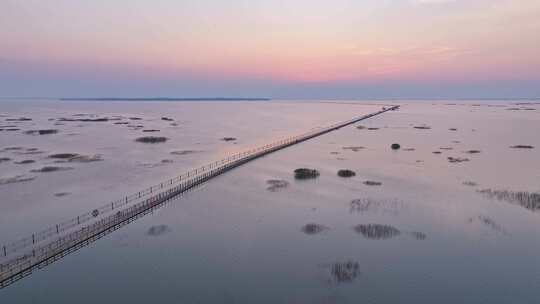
372	183
361	205
344	272
184	152
276	184
457	159
16	179
528	200
228	138
488	222
158	230
353	148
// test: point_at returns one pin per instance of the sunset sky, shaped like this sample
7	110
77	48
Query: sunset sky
279	49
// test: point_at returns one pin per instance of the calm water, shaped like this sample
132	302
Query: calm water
432	239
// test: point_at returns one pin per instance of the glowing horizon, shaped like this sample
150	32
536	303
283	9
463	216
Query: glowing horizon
210	47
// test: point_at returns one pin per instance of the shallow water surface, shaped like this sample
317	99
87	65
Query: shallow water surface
423	235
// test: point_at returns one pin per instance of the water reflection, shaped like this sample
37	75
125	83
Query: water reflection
377	231
528	200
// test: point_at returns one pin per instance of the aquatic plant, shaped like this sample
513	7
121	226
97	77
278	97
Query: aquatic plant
26	161
16	179
305	173
395	146
346	173
457	159
228	138
372	183
418	235
41	132
47	169
151	139
158	230
528	200
377	231
312	228
522	147
353	148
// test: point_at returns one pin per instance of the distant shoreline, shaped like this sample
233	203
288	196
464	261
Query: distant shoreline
166	99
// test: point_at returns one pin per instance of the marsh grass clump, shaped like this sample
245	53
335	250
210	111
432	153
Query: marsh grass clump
528	200
345	272
424	127
228	138
373	129
377	231
41	132
151	130
522	147
372	183
276	184
47	169
457	159
470	184
472	151
26	161
361	205
360	127
305	173
4	159
395	146
63	155
167	119
312	228
151	139
184	152
346	173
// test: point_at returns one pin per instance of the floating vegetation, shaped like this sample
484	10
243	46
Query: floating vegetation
373	129
360	127
344	272
395	146
346	173
228	138
167	161
409	149
372	183
457	159
470	184
276	184
377	231
305	173
158	230
16	179
353	148
424	127
418	235
452	129
436	152
167	119
184	152
12	129
489	222
151	139
135	118
61	194
13	148
41	132
121	123
472	151
312	228
4	159
151	130
26	161
446	148
528	200
522	147
334	153
47	169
